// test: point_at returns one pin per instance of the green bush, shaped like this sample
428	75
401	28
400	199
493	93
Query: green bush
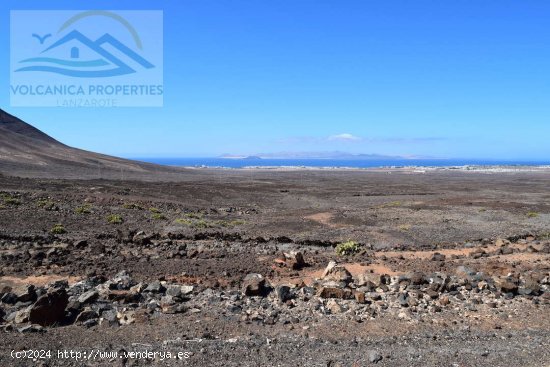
58	229
47	204
158	216
202	224
404	227
114	219
132	206
185	222
532	214
84	209
347	248
155	210
9	199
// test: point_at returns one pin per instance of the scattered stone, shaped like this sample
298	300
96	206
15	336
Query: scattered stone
402	298
334	306
374	356
110	317
438	257
444	301
22	316
432	294
126	318
80	244
359	297
31	329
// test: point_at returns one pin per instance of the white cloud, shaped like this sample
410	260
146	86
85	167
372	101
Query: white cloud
345	137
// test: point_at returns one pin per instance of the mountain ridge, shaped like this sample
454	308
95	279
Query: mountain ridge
28	152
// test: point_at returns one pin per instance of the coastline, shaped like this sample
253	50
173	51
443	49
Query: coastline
407	169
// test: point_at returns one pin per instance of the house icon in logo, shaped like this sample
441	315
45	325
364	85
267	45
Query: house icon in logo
76	55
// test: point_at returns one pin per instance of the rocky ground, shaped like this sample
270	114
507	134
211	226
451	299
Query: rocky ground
262	268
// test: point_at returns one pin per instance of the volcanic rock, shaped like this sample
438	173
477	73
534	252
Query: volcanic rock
49	309
255	285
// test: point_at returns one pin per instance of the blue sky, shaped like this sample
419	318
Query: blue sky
460	79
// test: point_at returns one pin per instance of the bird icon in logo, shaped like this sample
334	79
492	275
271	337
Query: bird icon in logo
43	38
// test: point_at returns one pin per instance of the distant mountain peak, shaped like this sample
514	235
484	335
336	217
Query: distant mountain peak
6	117
27	151
15	125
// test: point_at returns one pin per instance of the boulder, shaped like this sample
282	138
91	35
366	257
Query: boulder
477	253
466	273
417	278
140	238
337	273
331	292
170	305
255	285
87	297
370	280
506	286
155	287
121	281
530	288
9	298
284	293
173	290
87	314
186	289
27	295
438	257
49	309
294	260
177	290
109	317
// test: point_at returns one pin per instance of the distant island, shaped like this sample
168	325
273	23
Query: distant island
318	155
232	156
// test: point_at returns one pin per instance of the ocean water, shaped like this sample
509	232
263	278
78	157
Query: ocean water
334	163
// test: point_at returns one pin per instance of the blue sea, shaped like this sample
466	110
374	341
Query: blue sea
333	163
